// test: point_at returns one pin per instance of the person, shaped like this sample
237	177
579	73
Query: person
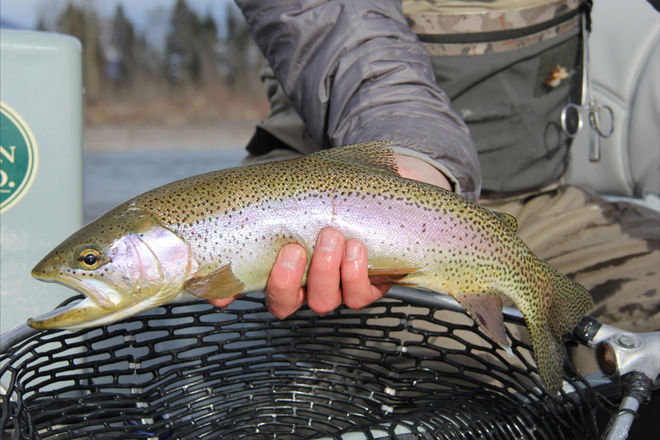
377	84
356	71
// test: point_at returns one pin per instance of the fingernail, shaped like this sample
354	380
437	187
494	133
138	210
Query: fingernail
328	241
352	251
290	258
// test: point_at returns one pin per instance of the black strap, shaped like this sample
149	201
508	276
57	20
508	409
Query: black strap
263	142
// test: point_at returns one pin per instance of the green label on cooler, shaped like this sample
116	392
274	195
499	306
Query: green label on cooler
18	157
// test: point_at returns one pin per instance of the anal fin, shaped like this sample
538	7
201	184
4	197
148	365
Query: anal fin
486	310
218	284
391	277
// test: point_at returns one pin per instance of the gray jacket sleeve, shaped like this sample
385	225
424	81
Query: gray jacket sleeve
355	72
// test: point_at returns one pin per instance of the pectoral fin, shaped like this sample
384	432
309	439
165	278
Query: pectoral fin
486	310
391	277
219	284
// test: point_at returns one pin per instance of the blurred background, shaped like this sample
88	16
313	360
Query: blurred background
171	87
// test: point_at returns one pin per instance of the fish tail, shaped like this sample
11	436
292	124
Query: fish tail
560	303
571	302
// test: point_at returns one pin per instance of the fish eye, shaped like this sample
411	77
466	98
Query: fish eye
89	258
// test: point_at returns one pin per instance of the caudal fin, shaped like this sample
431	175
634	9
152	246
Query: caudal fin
560	305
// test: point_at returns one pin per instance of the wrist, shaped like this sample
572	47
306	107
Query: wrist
416	169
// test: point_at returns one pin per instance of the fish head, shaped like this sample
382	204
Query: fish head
125	262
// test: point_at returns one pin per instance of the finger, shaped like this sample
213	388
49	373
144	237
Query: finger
323	293
222	303
356	287
283	289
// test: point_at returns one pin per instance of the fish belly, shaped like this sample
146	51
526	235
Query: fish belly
398	234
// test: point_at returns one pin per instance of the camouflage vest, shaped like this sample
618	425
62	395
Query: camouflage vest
509	67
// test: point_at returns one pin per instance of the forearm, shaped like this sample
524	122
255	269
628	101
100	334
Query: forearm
355	72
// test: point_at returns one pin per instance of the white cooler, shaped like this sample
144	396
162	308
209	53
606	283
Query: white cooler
41	191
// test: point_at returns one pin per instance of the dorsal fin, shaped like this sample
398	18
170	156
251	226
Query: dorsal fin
508	220
373	155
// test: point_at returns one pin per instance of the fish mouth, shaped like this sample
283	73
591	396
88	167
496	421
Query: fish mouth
72	318
82	315
98	292
87	313
101	305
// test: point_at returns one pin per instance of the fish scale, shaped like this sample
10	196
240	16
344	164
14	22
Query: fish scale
218	234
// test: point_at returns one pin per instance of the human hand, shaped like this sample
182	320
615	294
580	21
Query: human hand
339	268
337	272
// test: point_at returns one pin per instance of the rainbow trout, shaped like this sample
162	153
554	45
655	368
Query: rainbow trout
218	234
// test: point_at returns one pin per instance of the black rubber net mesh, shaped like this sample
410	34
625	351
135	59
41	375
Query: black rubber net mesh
193	371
